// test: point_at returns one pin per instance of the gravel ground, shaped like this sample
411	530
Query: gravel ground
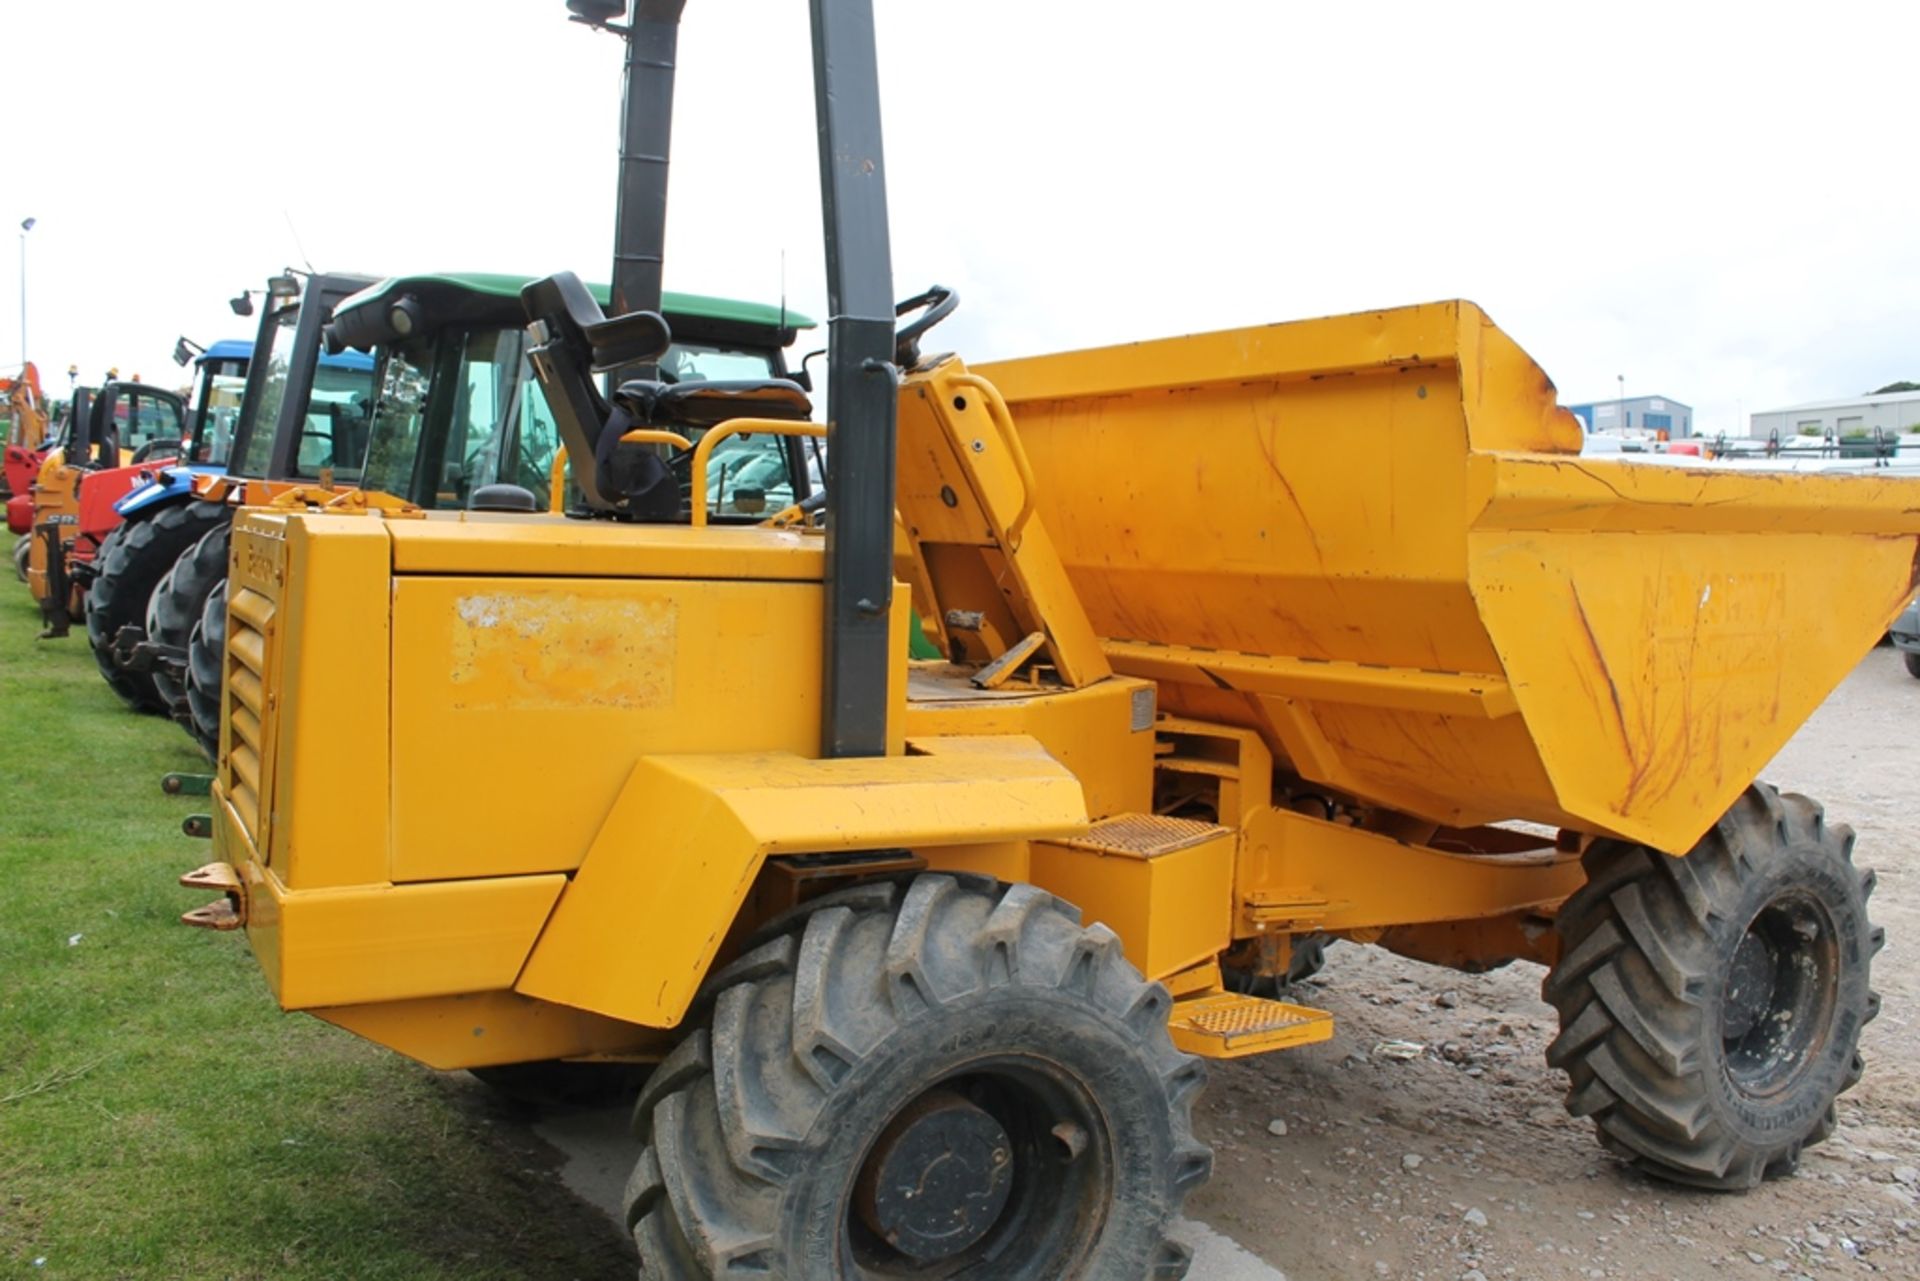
1463	1164
1333	1163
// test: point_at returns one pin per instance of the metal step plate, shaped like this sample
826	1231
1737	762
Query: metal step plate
1145	835
1223	1025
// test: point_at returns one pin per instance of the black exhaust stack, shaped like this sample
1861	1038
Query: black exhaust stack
646	137
652	36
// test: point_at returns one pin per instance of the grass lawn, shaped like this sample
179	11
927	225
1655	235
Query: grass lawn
159	1117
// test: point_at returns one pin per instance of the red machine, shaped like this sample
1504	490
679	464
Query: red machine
70	504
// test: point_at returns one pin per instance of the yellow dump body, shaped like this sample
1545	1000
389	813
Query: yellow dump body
1373	539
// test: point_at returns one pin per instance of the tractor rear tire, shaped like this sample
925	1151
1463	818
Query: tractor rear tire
22	553
921	1078
1711	1006
206	657
134	689
177	602
134	558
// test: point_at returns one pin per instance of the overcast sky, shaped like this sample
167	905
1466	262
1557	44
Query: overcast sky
1717	201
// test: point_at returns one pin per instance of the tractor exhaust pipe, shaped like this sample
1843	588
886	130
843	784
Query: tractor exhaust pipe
646	136
652	36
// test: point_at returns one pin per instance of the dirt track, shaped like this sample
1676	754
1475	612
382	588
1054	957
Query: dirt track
1462	1164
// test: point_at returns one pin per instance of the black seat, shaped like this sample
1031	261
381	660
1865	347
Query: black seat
632	339
703	403
575	339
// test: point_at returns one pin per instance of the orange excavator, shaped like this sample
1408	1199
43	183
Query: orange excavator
26	440
26	427
26	407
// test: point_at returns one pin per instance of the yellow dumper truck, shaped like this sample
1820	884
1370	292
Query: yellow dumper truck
1247	638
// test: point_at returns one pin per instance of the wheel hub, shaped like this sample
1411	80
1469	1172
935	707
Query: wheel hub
937	1178
1781	992
1750	984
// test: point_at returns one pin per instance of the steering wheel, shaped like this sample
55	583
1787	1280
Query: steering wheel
158	449
938	303
475	460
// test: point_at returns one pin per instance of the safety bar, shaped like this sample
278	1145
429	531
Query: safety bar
1003	423
736	427
557	480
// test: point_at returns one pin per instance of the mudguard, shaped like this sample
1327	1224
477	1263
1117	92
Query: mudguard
170	485
638	926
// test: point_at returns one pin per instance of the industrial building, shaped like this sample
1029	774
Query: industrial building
1650	414
1892	412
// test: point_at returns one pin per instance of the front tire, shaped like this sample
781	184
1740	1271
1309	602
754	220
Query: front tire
928	1078
206	656
1711	1006
1910	657
176	604
22	552
132	560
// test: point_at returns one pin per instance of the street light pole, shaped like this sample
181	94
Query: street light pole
1623	402
26	225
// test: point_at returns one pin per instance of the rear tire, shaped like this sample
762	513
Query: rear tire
206	656
176	605
1711	1006
134	689
134	558
949	1039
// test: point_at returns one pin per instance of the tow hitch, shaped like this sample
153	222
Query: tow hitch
229	911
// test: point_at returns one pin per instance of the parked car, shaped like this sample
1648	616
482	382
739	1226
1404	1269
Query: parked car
1905	634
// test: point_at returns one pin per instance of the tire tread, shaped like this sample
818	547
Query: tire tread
1632	992
727	1117
131	561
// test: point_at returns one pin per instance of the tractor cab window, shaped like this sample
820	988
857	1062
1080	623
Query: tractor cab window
685	362
529	461
749	476
334	436
457	412
399	419
275	355
141	418
222	385
484	416
66	415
